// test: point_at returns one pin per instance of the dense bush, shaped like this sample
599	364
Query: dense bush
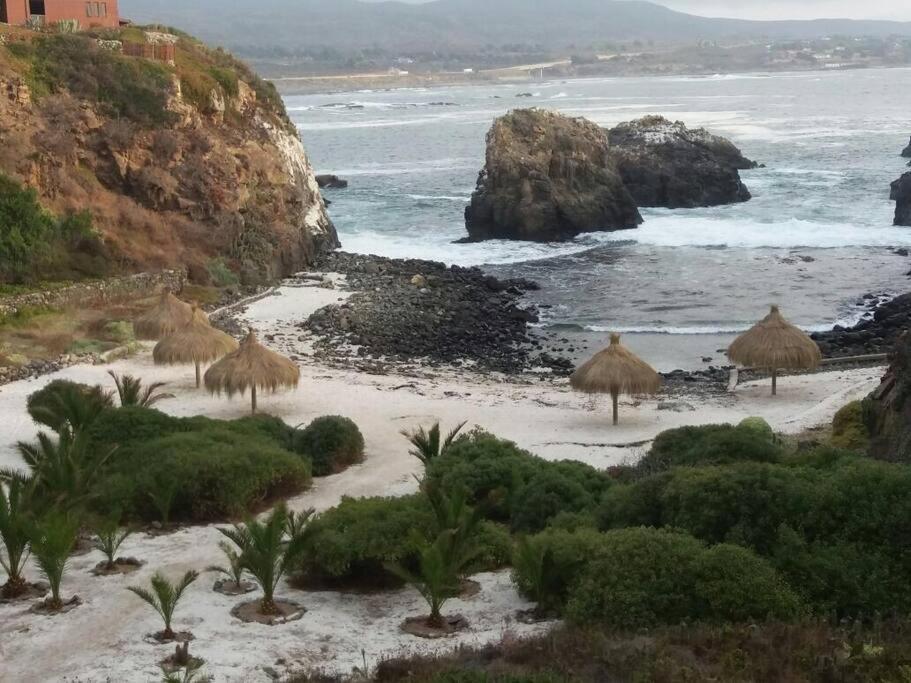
35	245
210	474
841	521
211	468
751	440
352	542
331	443
849	430
644	577
513	486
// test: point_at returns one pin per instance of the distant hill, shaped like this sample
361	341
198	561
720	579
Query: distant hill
462	25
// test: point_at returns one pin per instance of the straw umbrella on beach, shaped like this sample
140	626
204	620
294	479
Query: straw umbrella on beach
196	342
252	367
168	316
775	343
615	370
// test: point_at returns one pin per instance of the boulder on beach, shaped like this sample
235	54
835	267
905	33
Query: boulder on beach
664	163
547	177
332	182
906	152
901	195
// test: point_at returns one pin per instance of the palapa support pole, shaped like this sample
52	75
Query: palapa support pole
198	378
774	381
614	397
253	399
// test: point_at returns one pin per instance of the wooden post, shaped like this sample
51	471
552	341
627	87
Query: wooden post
253	397
614	396
774	381
197	376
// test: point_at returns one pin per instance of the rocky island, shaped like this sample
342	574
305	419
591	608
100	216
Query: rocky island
901	195
548	177
664	163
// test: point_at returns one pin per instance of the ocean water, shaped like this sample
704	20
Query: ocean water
815	237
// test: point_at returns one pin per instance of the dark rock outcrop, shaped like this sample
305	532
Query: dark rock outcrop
906	152
901	195
331	182
666	164
887	411
547	177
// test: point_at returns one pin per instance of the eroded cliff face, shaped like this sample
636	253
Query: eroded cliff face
209	170
547	177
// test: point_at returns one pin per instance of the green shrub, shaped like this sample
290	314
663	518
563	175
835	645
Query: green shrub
133	424
743	503
557	560
61	402
734	584
712	445
331	443
221	274
759	425
547	494
509	483
640	577
35	245
352	542
485	677
214	474
849	430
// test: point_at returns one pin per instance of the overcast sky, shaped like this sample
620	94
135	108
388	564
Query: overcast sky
899	10
796	9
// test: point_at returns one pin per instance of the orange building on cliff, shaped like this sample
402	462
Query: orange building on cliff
88	13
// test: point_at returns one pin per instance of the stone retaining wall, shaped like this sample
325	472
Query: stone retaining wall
112	290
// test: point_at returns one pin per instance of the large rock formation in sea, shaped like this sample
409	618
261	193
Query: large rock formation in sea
547	177
901	195
666	164
191	163
906	152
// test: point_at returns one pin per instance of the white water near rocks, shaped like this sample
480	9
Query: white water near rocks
816	236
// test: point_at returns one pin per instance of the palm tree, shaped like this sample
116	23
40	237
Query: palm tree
453	514
164	597
265	553
52	541
235	569
68	406
108	539
131	393
14	528
436	578
62	470
298	521
426	444
162	493
533	570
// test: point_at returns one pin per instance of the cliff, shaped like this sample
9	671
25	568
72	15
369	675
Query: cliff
901	195
189	162
547	177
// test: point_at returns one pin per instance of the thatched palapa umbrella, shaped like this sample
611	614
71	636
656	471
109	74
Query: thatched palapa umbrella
196	342
169	315
775	343
253	367
615	370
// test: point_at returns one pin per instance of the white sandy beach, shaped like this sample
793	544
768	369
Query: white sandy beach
103	638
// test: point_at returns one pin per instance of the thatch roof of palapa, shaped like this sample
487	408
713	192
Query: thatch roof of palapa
168	316
251	365
195	342
616	369
774	343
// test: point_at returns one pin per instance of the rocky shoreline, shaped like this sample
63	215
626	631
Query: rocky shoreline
403	310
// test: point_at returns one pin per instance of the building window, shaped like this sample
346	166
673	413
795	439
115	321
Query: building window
104	9
89	9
